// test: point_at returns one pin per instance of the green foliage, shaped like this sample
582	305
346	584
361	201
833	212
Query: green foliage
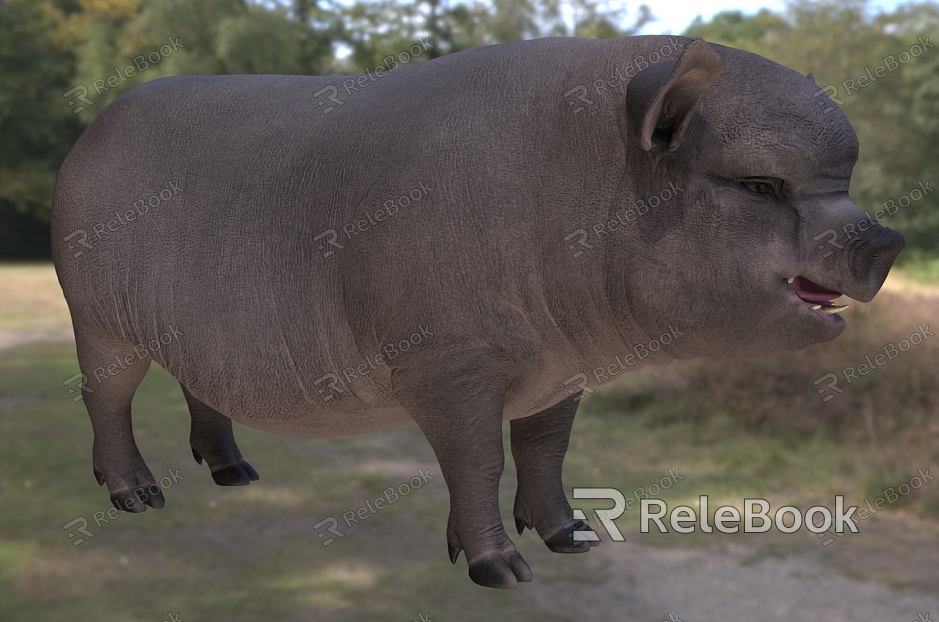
455	26
47	47
259	41
896	117
36	127
735	29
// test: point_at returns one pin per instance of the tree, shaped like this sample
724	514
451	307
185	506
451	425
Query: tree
375	29
36	126
896	116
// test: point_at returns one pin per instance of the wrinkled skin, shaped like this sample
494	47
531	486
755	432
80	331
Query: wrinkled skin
747	244
481	262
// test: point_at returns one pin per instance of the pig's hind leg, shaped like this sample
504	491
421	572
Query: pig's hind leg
211	438
113	371
539	443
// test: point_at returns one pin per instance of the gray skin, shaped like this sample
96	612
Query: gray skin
481	261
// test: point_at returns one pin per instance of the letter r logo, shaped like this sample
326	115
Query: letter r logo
582	241
333	97
83	240
82	529
831	97
332	386
331	236
581	379
832	385
832	240
333	524
581	91
606	517
82	97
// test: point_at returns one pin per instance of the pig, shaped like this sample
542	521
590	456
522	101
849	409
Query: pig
472	236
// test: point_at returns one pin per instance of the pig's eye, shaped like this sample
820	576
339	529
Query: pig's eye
760	187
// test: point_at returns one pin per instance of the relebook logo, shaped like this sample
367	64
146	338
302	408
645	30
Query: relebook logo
684	519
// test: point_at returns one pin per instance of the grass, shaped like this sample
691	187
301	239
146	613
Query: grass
920	267
31	298
732	430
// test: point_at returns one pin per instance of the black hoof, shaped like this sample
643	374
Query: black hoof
562	541
239	474
520	524
136	501
500	571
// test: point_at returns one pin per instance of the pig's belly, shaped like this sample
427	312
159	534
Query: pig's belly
312	421
287	399
284	400
307	423
306	413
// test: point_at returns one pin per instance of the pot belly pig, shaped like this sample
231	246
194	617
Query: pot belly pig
471	236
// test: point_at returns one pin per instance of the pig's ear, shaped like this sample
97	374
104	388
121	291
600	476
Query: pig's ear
667	116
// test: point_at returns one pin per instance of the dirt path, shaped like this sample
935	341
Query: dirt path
701	585
13	338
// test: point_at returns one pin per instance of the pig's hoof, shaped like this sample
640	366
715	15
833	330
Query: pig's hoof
130	483
225	463
503	571
239	474
137	500
562	540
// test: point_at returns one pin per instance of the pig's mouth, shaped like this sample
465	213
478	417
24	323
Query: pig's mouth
816	297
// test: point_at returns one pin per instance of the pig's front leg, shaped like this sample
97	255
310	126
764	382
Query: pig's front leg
458	406
539	443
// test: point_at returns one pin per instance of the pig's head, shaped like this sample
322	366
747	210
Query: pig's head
753	235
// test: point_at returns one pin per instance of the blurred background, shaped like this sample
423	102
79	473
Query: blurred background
758	428
63	61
